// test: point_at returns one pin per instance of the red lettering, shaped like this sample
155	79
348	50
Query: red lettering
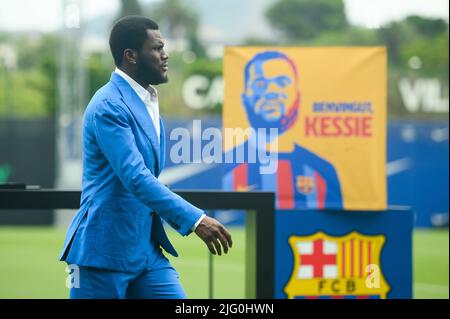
348	126
366	126
339	126
325	121
310	126
357	126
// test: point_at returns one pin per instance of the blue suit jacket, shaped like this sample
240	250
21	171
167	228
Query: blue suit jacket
122	200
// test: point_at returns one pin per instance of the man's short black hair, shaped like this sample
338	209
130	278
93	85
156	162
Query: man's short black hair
129	32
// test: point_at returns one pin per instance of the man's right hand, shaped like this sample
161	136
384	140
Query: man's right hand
215	235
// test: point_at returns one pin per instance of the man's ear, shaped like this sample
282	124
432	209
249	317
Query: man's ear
130	56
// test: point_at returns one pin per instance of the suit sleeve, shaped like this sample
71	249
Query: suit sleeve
116	140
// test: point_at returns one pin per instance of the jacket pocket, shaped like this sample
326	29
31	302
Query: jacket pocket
118	233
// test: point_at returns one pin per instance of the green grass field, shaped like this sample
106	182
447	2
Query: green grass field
29	266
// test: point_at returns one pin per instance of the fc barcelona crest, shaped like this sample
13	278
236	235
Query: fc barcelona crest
337	267
305	184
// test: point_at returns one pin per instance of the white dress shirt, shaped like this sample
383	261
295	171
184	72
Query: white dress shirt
150	98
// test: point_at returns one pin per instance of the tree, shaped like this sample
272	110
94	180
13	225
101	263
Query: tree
305	19
427	27
181	23
31	88
433	54
177	17
400	34
99	68
130	7
352	35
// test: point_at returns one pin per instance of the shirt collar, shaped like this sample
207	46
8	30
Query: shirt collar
139	89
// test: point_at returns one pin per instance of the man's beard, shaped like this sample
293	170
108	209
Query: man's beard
152	75
282	124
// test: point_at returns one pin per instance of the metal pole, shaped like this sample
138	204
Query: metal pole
211	267
9	111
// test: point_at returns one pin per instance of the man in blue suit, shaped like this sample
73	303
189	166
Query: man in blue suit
115	239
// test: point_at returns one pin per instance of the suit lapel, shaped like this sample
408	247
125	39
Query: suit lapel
162	143
140	113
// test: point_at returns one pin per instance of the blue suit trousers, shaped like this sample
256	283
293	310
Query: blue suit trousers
156	281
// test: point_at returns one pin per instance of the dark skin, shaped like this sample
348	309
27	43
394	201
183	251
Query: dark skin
149	66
